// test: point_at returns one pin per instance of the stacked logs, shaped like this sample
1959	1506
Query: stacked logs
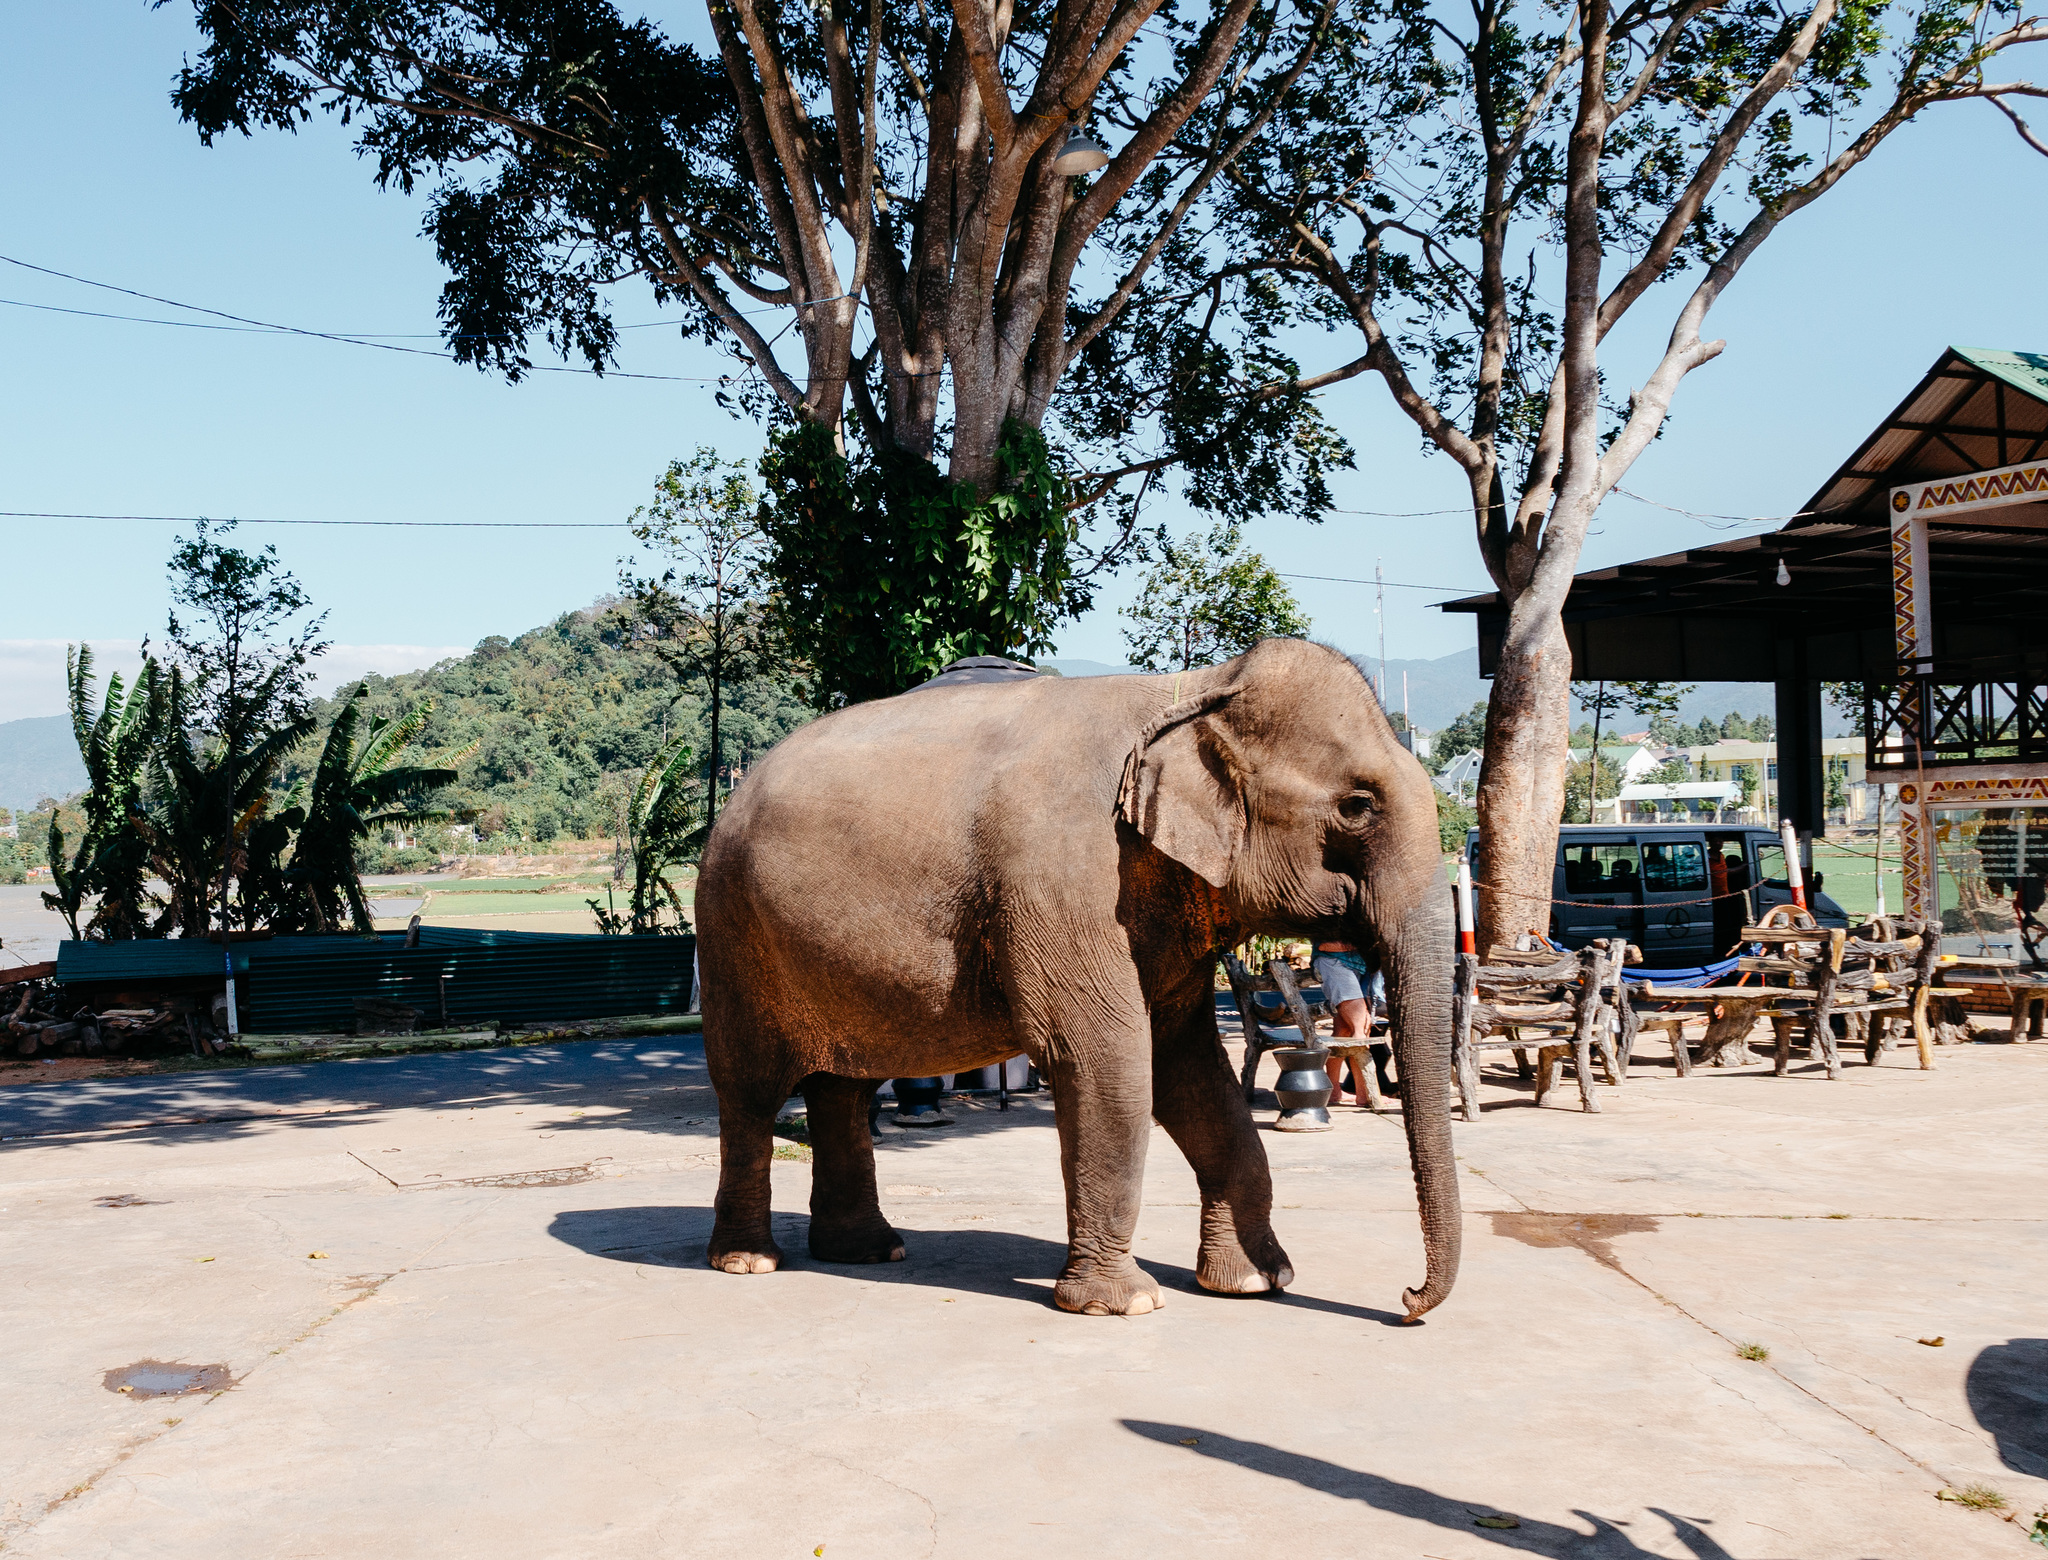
37	1018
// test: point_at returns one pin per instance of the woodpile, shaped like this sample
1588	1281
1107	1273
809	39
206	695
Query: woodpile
37	1018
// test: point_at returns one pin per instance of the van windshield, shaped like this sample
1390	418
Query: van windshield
1601	867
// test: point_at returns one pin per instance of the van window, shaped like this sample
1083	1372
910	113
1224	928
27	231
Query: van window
1770	862
1671	865
1601	867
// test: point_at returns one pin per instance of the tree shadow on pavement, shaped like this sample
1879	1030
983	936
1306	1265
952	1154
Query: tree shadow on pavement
998	1263
2008	1392
1531	1535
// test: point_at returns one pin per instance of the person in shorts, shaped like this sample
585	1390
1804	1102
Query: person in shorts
1352	990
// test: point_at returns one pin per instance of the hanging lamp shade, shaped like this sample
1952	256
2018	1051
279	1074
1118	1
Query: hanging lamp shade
1081	154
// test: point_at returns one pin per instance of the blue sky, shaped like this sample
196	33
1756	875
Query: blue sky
1937	241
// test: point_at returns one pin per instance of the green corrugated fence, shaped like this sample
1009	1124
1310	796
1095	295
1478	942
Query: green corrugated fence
305	985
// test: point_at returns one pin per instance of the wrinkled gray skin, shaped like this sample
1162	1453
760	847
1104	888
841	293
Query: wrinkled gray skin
934	882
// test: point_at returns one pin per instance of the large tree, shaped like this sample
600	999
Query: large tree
907	160
1208	598
706	614
1477	196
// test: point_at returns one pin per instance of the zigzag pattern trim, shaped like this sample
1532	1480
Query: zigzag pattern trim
2013	483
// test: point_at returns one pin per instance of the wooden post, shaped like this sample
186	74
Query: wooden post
1590	961
1464	994
1923	978
1247	1016
1820	1025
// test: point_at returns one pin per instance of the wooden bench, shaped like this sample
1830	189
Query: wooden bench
1536	1000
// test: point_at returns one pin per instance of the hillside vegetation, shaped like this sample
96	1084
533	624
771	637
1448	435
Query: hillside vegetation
559	724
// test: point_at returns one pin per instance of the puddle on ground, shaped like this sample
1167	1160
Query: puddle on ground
125	1200
159	1378
1592	1233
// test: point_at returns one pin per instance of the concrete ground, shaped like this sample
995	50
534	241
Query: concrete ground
457	1306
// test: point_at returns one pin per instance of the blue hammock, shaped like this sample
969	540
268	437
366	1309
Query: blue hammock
1705	975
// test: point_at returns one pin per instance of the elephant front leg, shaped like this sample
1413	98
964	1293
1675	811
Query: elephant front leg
1103	1109
1202	1109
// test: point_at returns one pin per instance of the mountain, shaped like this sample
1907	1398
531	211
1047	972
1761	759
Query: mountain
1441	690
559	723
38	759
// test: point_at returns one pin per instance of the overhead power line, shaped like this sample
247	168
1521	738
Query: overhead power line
461	525
383	341
1341	579
542	525
388	341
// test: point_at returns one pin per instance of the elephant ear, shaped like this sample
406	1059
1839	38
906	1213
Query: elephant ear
1182	789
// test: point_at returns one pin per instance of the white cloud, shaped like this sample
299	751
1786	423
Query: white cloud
32	670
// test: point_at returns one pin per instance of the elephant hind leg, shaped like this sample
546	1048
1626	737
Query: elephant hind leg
846	1216
742	1239
1103	1125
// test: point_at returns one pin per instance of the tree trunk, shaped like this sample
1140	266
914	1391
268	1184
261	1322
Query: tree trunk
717	707
1522	776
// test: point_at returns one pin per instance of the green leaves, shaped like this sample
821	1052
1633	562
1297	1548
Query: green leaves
358	786
665	825
1206	600
112	860
884	571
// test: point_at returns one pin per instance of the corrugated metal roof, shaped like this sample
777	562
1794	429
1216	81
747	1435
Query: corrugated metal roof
1960	417
2026	371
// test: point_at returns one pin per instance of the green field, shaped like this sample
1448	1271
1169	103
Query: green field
1848	875
515	896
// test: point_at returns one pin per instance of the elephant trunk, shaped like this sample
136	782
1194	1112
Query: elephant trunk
1417	956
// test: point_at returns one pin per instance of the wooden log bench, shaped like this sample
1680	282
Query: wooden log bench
1537	1000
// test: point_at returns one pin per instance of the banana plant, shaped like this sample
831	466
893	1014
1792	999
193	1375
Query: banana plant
358	786
192	791
112	860
665	826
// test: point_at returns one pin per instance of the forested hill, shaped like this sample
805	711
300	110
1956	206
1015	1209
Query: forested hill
565	718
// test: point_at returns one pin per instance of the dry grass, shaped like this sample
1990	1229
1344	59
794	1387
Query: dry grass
1978	1497
1752	1351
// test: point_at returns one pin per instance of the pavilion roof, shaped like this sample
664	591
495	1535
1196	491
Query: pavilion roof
1714	611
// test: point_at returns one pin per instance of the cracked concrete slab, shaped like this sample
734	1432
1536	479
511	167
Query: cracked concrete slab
483	1360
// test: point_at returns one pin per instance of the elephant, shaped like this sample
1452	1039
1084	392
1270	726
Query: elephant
933	882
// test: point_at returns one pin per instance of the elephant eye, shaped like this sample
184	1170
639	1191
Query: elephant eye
1356	806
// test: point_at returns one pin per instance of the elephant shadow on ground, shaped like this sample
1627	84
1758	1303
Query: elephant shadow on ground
998	1263
2008	1392
1529	1535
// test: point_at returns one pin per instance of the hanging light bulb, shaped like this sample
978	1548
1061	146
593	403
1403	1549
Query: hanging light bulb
1081	154
1784	574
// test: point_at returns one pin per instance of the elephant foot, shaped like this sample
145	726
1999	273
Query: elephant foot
766	1261
869	1241
1125	1291
1225	1267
